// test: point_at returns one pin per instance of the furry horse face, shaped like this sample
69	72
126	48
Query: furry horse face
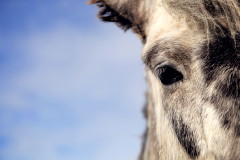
192	57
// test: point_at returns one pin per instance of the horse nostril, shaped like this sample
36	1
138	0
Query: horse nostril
169	75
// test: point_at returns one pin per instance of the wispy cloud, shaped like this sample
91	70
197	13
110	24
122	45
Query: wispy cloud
78	97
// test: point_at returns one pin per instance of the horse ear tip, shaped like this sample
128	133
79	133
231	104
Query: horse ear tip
93	1
90	2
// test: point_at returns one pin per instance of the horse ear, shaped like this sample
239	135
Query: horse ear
123	13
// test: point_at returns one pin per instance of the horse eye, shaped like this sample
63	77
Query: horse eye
168	75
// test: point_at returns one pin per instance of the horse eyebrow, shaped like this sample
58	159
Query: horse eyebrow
174	51
151	54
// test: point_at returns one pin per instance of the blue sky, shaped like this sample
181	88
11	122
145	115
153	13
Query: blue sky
72	87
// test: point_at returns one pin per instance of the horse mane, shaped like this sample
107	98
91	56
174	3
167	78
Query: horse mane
210	15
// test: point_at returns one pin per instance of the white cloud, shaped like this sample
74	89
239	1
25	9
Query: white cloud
66	60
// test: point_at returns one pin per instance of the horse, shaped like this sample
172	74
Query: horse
191	52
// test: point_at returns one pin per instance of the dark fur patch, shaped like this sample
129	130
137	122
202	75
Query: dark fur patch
237	130
229	111
217	9
231	87
186	137
222	57
214	9
226	122
222	52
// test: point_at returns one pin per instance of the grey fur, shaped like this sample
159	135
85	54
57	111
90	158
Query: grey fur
197	116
